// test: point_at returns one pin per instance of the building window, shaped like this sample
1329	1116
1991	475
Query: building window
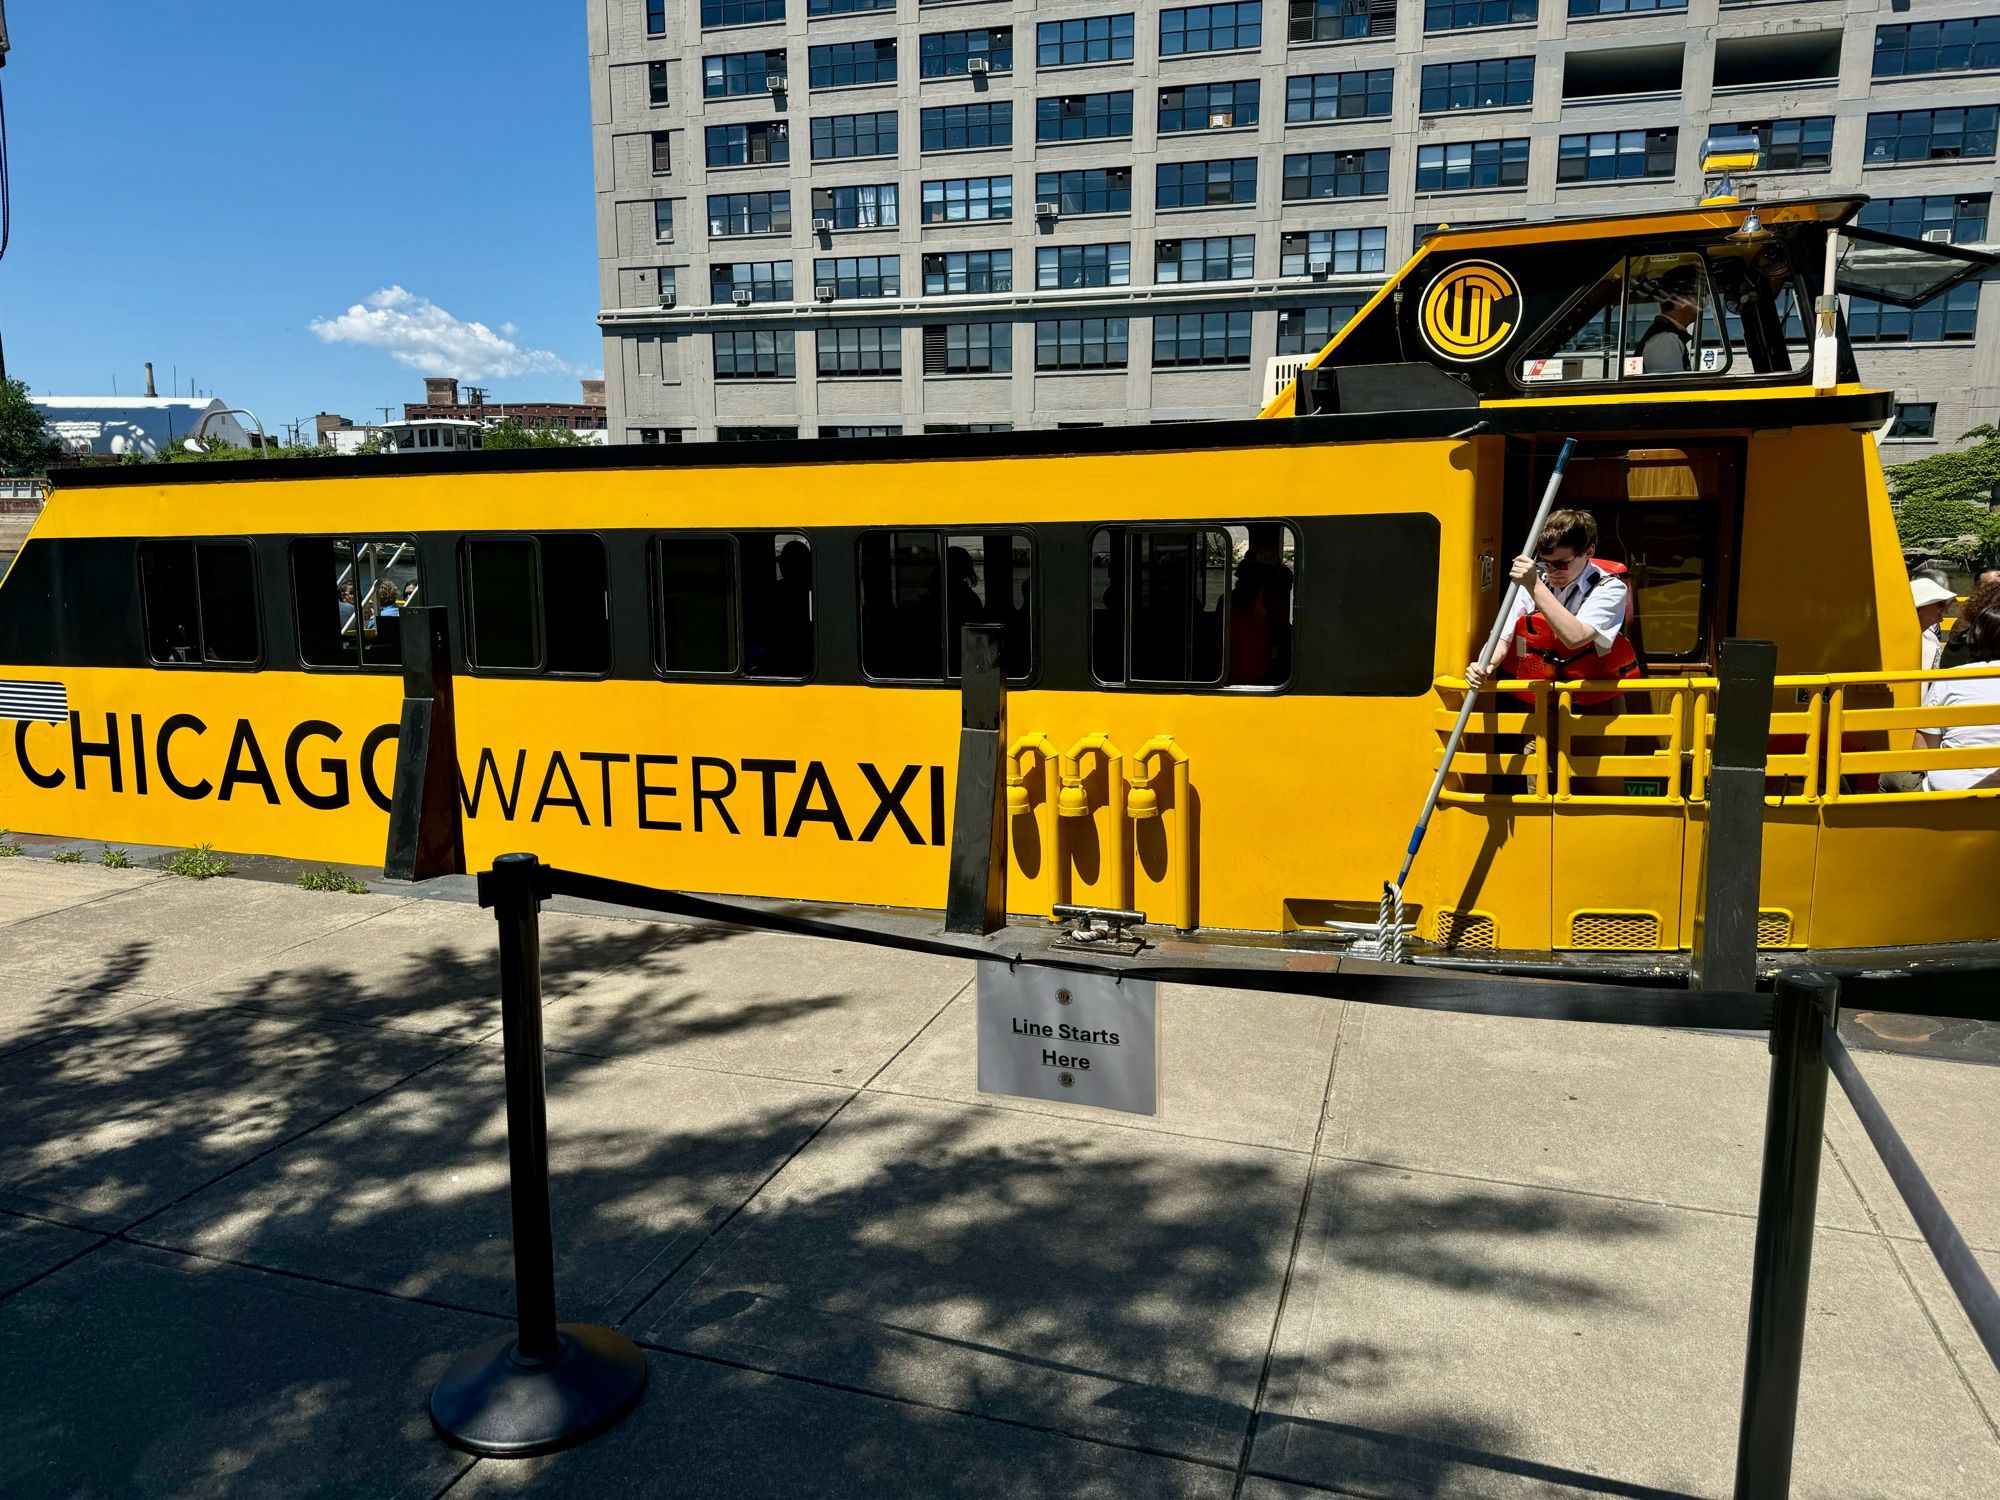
968	427
919	589
1793	145
652	437
737	73
1957	46
1227	257
1208	106
665	283
1092	190
1472	164
765	354
1462	15
1621	7
951	272
1084	117
859	275
1058	266
1340	252
860	351
963	127
1196	184
1080	344
1211	28
755	434
749	213
748	145
968	348
963	199
871	206
1363	95
1614	155
1914	419
537	604
837	137
1931	135
1090	39
1217	338
1961	217
1305	330
1489	83
740	12
840	65
1337	20
1337	174
656	17
1950	318
764	280
656	84
663	221
846	7
663	153
851	430
948	54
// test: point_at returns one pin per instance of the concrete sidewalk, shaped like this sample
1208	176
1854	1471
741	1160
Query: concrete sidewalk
253	1198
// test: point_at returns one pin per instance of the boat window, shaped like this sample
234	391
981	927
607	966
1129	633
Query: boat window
1193	606
696	579
777	605
538	603
350	595
200	602
919	588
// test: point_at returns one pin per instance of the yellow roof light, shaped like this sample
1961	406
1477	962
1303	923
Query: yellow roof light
1734	151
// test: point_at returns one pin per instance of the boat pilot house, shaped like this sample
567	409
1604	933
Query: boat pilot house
1234	650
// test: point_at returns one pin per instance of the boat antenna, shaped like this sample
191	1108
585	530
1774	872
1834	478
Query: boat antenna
1389	922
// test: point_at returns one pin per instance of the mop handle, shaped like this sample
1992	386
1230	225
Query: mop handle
1502	622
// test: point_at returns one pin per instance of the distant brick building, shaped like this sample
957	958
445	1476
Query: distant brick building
441	399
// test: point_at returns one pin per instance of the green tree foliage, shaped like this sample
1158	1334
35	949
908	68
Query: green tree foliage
512	433
26	444
219	452
1944	496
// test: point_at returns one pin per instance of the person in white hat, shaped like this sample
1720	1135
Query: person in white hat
1932	600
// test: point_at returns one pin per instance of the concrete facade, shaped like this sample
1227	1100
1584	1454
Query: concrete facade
1691	68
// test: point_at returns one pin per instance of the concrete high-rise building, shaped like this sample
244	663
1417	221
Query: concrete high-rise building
847	217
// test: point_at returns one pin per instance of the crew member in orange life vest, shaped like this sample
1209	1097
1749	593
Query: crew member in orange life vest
1583	603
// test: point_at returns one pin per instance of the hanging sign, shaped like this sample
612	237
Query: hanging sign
1077	1038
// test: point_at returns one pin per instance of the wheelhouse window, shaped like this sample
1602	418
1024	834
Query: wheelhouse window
537	604
918	588
733	606
1193	606
199	601
350	594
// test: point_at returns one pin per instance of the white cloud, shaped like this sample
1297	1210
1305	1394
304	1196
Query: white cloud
416	332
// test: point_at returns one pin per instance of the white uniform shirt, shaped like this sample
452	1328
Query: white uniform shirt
1596	597
1957	692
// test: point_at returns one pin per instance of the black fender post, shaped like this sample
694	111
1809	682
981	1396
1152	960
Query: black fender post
1725	936
426	835
976	898
1787	1200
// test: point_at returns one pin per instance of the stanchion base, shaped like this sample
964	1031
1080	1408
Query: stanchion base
492	1404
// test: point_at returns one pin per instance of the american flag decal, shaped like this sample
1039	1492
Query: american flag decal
46	701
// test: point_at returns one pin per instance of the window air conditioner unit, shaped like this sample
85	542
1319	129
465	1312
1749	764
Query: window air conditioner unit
822	226
1047	210
666	296
1319	265
741	296
1937	236
774	83
1221	119
822	294
976	65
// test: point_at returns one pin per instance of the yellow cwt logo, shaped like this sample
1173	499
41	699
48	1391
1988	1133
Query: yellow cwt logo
1470	310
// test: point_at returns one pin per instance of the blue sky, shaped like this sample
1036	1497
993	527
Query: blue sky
195	182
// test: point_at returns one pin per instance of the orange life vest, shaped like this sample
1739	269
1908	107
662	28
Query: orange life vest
1539	655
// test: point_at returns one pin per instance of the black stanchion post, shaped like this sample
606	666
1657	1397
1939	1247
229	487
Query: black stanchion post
1794	1120
1725	939
976	893
546	1385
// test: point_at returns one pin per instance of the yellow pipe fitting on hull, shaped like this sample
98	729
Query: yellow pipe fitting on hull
1074	802
1144	802
1055	873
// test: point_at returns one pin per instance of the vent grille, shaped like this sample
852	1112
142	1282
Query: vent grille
1614	929
1464	929
1774	929
47	702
